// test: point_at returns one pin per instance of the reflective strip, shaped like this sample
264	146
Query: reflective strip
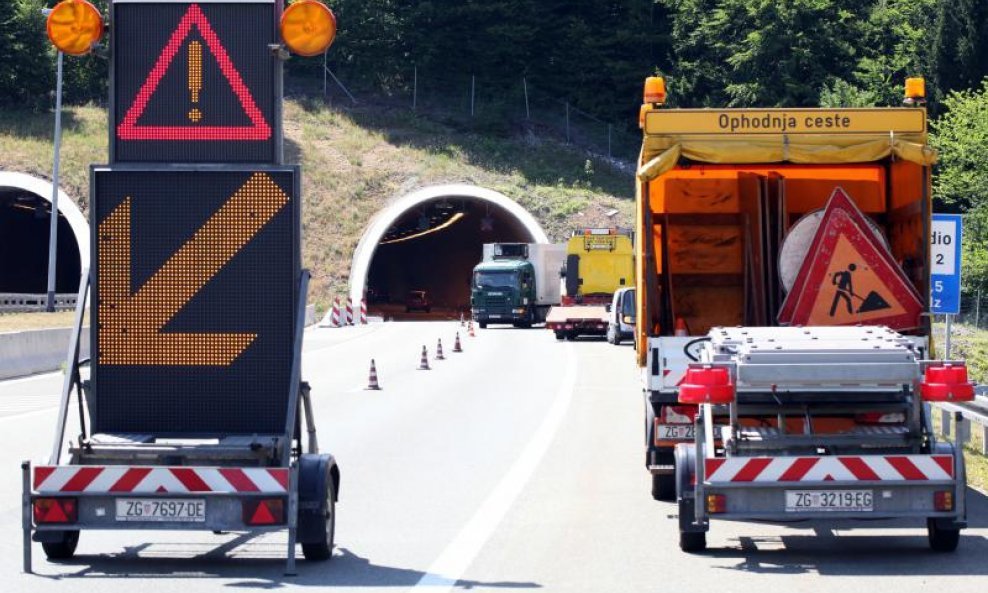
891	468
156	480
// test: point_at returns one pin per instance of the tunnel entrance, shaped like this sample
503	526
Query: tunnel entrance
25	210
429	242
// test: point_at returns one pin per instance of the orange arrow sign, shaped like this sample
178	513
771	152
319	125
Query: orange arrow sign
130	323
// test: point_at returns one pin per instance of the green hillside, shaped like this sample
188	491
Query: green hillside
356	160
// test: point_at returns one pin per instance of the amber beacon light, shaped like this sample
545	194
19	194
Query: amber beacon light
74	27
308	27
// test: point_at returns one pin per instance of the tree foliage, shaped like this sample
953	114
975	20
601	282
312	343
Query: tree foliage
26	72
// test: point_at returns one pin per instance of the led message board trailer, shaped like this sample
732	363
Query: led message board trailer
195	82
194	299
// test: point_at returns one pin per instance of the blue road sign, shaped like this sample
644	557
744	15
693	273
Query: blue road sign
945	264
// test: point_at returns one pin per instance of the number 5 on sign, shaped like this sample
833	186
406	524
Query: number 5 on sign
945	264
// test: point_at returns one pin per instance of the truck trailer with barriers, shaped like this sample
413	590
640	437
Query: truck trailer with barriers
781	330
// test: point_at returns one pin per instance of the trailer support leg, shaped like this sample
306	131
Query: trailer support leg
26	513
292	519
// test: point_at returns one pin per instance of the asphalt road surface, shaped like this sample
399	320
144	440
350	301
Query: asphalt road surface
515	465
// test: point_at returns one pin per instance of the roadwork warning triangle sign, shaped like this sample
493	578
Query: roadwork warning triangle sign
849	277
129	129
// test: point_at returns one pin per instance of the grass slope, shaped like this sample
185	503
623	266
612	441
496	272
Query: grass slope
355	161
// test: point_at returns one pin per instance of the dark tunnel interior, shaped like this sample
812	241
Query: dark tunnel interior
434	248
24	228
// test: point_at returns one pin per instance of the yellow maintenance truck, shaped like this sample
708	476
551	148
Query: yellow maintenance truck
783	276
599	261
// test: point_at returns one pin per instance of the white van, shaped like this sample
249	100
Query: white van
621	317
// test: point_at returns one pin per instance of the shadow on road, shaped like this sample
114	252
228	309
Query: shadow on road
825	552
262	569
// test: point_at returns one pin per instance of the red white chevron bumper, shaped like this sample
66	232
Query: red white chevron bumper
860	468
110	480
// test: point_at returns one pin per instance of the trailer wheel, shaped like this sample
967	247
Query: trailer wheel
322	549
942	539
692	541
63	549
559	335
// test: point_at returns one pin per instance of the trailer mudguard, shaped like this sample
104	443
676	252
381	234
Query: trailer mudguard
314	473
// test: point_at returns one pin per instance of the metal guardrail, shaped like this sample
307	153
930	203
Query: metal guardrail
13	302
974	416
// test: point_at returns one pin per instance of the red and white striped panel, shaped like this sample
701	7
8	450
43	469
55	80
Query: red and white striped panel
891	468
159	480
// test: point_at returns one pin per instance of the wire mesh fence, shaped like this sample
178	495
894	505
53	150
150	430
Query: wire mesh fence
499	107
973	310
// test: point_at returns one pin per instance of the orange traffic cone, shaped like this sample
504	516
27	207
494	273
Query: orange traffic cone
372	384
439	350
470	329
424	363
456	344
681	327
462	322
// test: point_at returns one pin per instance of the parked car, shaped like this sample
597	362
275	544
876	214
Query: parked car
417	300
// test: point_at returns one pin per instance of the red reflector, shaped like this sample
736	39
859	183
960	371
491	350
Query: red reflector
268	511
55	510
716	503
943	500
946	382
708	385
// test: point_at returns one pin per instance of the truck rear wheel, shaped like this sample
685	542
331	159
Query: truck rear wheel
559	335
482	324
64	548
664	487
942	539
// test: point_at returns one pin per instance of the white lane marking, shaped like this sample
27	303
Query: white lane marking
457	557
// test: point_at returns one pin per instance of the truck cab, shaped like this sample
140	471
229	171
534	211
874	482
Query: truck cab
502	291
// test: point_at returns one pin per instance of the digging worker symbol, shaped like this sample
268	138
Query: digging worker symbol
845	290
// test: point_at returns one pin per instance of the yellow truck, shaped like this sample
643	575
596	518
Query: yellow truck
599	261
757	231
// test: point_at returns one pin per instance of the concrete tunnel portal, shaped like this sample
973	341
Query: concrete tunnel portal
430	240
25	211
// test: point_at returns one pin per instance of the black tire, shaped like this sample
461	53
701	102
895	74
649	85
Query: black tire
559	335
942	539
692	541
323	550
664	487
570	336
482	324
64	549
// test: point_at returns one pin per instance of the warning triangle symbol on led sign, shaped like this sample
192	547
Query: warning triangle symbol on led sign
129	128
849	277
